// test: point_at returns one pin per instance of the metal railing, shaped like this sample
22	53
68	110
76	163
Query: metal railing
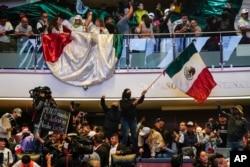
217	49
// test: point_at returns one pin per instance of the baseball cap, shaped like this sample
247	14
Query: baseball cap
166	10
144	131
190	123
151	14
244	10
18	111
91	134
159	119
209	125
78	17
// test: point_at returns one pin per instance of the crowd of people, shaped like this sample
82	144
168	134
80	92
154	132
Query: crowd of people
149	24
121	134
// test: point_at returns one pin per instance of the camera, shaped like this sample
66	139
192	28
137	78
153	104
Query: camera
35	93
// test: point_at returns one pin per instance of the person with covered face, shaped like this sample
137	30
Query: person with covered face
237	127
112	117
128	116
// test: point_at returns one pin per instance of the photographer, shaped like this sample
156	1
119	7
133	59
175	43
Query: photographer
77	147
42	97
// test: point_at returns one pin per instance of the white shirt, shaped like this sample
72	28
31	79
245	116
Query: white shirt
112	151
7	157
6	27
244	23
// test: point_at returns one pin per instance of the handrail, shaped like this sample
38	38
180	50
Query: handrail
168	49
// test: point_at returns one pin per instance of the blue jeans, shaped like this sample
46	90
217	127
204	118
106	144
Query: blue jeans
131	124
235	145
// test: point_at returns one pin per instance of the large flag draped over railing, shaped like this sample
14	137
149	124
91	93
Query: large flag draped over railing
191	75
81	59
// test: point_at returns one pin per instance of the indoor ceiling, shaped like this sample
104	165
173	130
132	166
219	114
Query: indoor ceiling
93	106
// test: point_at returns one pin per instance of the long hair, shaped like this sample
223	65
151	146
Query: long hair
124	92
54	24
146	20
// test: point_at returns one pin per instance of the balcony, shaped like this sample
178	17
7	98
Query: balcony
229	61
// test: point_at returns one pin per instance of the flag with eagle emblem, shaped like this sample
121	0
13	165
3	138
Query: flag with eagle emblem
190	74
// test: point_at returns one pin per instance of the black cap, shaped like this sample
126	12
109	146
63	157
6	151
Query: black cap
159	119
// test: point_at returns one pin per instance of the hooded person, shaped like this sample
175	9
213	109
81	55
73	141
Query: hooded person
128	116
112	117
237	127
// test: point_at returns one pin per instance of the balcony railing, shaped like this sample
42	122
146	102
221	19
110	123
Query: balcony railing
218	50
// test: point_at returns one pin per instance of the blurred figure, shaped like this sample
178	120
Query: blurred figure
23	32
244	26
202	160
143	143
8	123
7	154
195	28
237	127
99	27
6	28
109	24
128	116
140	12
112	117
57	27
222	128
171	145
43	24
26	161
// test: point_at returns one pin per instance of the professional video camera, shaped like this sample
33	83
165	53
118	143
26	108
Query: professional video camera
80	146
35	93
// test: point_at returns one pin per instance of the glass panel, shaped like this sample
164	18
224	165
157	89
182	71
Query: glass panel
139	53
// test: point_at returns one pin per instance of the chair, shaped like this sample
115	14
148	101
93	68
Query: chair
35	157
128	160
177	160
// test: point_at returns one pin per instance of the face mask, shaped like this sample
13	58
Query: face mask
115	108
127	95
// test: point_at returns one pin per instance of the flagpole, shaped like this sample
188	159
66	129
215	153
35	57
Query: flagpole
154	81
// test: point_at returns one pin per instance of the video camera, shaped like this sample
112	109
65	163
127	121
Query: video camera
35	93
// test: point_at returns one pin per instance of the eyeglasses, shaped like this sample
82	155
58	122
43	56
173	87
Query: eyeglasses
45	16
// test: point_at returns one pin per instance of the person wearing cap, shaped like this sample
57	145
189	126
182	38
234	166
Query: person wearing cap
140	12
8	123
143	144
190	138
244	26
159	125
26	161
237	127
221	127
209	139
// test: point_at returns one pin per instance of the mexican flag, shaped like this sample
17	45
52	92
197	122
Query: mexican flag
82	59
191	75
